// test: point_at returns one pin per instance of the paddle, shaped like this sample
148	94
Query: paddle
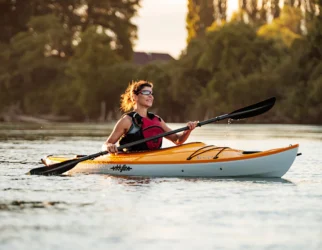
246	112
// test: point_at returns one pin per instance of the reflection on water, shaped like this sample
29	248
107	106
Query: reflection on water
21	205
49	131
134	180
130	180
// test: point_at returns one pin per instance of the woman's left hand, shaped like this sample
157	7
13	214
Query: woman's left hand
192	125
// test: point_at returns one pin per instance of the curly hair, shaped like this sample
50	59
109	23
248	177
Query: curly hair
133	88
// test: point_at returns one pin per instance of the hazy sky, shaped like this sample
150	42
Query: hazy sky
162	26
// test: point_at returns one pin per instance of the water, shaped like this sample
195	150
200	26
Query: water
105	212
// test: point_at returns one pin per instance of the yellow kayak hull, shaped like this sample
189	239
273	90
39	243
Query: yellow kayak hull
189	160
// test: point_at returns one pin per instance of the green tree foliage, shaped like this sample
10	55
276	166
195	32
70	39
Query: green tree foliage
71	57
5	99
76	16
233	65
88	69
284	29
249	10
315	34
307	6
200	16
37	42
13	18
315	55
115	17
308	60
33	63
300	79
257	12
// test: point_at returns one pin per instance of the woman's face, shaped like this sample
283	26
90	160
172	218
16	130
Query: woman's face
145	97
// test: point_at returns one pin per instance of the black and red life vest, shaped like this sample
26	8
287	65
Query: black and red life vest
143	127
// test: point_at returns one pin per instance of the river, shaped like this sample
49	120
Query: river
105	212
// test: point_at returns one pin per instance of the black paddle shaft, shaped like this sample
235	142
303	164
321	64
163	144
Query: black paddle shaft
246	112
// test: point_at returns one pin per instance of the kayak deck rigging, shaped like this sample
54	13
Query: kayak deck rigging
196	153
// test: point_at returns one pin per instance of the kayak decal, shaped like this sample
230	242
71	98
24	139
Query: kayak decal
121	168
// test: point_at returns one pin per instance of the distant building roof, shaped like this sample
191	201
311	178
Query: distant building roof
144	58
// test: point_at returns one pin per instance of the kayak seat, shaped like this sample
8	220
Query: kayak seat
250	152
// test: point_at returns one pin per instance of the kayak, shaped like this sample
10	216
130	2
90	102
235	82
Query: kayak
194	159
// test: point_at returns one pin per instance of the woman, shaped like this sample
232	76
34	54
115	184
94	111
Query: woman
140	123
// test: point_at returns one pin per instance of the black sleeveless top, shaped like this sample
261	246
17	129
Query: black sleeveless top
135	132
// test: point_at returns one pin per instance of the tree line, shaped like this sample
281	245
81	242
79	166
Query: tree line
74	58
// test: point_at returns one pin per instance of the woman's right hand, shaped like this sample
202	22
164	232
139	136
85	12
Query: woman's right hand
109	147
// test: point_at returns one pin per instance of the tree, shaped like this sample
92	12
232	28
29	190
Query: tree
33	63
220	13
200	16
5	98
89	69
14	15
284	29
115	17
315	34
253	13
232	61
39	37
275	8
315	54
76	15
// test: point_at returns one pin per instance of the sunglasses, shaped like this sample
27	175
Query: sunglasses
146	92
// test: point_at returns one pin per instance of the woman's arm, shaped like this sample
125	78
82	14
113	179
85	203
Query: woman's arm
178	139
120	128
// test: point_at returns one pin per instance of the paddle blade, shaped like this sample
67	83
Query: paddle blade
55	169
253	110
62	167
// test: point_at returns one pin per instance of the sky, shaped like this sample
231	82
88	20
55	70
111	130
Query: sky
162	25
